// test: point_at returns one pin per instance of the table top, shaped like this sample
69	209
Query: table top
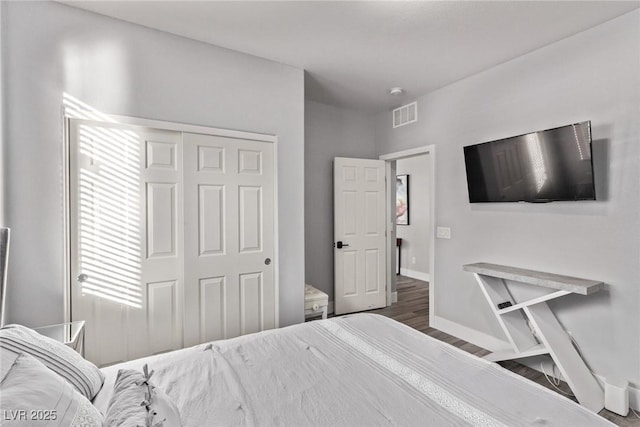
537	278
66	333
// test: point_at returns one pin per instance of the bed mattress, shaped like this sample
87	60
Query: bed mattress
361	369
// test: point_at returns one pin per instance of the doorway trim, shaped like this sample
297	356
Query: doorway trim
390	171
86	113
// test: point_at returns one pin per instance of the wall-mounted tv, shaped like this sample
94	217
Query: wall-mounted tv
544	166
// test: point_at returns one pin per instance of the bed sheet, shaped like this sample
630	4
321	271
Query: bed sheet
361	369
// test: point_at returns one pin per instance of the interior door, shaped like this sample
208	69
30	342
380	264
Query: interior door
229	237
126	250
359	234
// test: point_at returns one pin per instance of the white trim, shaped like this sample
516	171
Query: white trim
415	274
408	153
276	235
473	336
430	151
170	126
394	297
634	395
76	114
390	262
66	226
189	128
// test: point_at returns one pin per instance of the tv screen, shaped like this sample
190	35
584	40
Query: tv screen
545	166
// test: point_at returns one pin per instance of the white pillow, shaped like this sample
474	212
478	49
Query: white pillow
137	402
63	360
7	357
34	395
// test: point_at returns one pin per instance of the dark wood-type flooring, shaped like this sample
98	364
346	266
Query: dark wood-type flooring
412	309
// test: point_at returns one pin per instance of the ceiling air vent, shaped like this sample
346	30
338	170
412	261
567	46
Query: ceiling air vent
405	114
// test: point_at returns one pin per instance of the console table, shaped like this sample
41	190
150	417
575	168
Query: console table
531	327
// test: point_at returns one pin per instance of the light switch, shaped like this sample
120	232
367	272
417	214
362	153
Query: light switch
443	233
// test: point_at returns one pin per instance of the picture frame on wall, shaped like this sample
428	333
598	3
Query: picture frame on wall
402	200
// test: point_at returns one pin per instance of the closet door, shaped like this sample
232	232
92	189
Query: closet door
126	239
229	237
171	238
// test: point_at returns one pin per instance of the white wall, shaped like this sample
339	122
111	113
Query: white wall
415	236
594	75
329	132
2	137
125	69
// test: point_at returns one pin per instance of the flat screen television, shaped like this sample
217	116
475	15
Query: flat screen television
544	166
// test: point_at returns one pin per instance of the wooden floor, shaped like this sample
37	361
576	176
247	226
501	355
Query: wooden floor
412	309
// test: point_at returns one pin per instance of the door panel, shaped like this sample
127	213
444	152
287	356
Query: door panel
251	319
161	219
231	183
212	308
162	313
211	225
126	256
359	203
250	218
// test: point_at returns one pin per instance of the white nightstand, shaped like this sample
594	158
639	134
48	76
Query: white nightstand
69	333
315	302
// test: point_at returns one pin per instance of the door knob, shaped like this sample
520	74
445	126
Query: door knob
267	261
341	245
82	278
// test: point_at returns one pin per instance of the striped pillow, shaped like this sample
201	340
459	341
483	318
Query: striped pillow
83	375
33	395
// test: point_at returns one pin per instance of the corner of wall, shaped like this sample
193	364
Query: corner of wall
3	169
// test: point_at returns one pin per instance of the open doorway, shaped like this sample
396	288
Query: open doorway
412	217
414	171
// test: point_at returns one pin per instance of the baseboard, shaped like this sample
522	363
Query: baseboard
415	274
473	336
634	398
534	363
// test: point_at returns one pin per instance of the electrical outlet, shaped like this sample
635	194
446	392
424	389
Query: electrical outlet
443	233
413	260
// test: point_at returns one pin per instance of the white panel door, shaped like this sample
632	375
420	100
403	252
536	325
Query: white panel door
359	232
229	237
125	239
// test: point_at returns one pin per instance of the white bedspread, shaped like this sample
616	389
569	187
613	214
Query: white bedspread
361	369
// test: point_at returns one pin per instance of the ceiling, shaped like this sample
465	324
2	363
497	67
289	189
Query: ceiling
353	52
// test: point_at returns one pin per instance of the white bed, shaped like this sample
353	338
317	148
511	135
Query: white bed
361	369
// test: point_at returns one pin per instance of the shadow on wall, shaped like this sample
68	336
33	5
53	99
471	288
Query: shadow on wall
600	156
